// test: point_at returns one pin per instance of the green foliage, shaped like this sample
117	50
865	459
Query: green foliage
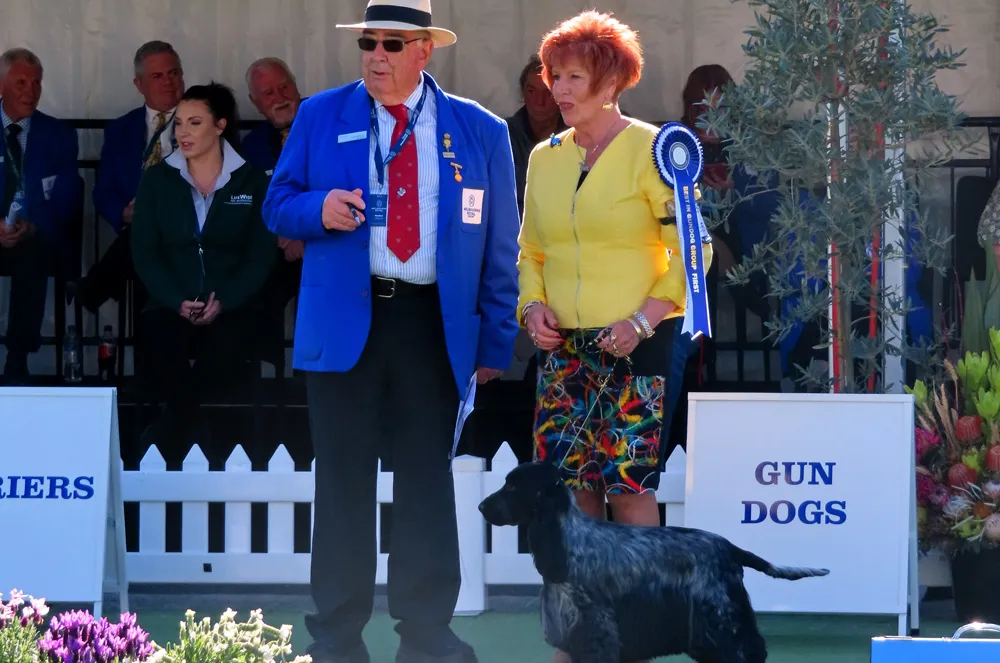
812	64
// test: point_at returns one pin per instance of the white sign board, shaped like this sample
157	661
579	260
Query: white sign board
816	480
60	494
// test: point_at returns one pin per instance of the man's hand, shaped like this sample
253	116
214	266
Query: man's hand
128	213
336	214
484	375
12	236
294	249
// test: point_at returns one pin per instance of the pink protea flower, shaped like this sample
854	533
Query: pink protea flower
925	441
925	488
940	496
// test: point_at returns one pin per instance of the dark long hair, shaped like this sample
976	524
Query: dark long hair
702	79
221	104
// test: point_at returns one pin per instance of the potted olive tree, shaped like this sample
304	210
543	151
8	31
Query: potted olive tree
839	110
840	114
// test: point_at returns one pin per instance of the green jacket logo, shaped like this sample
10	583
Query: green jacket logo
240	199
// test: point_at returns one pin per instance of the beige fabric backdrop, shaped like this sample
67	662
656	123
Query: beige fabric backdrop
87	48
87	45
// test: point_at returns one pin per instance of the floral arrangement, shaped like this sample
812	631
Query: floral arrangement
229	641
78	637
957	441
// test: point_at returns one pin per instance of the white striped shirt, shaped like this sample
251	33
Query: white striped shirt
421	267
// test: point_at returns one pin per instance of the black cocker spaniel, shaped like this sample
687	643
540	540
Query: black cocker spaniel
615	593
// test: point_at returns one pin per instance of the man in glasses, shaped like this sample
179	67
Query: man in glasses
405	198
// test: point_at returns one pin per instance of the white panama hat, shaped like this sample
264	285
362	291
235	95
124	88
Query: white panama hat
402	15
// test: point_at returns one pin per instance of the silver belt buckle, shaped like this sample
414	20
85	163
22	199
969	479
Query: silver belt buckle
392	291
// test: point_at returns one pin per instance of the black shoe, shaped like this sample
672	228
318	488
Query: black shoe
90	297
456	652
323	655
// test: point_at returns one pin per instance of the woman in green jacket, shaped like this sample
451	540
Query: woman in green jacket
203	253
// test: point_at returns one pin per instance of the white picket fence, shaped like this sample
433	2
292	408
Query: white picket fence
281	487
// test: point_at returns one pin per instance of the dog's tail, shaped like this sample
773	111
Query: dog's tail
756	563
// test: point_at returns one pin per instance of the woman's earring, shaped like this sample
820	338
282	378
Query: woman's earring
607	106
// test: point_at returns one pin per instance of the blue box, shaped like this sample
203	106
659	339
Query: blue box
956	649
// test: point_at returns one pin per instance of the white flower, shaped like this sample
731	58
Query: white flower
957	506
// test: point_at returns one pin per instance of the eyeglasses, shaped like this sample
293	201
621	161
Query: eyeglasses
393	45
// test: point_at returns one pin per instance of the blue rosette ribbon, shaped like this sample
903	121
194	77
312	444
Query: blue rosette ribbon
679	159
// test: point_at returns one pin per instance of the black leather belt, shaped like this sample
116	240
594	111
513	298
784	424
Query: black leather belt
388	288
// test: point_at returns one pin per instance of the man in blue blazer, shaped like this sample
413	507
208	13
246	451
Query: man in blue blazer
132	142
398	313
40	174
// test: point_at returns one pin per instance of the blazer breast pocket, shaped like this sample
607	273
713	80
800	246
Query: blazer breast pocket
472	206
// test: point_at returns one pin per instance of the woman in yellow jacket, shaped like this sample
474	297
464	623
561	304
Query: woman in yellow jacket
601	278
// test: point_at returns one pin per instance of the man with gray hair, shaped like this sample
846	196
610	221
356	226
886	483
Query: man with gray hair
132	142
40	193
275	94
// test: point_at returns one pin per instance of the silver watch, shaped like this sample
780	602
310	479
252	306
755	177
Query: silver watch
642	320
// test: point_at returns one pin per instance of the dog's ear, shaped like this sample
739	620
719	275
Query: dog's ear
545	539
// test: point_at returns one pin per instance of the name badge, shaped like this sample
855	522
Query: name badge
377	210
472	206
349	138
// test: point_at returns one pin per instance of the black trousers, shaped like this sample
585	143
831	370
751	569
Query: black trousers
170	342
107	277
281	286
404	378
27	265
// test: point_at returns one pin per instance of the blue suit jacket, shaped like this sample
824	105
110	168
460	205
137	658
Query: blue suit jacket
50	164
258	146
476	264
121	165
262	144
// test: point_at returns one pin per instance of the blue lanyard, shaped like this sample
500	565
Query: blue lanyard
394	150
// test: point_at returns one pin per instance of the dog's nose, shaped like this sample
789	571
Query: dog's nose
482	508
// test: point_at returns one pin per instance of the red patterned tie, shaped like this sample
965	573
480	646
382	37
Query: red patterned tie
404	204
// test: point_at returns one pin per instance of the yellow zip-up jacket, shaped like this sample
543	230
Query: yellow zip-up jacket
594	255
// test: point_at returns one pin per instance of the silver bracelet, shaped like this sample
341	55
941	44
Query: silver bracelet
526	307
646	327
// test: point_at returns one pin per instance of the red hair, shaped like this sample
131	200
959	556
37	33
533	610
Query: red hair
605	46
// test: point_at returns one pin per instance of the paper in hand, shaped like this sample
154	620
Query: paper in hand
464	410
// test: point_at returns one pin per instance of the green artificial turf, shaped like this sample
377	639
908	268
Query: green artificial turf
516	637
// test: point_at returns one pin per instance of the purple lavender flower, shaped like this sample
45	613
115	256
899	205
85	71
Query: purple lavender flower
76	637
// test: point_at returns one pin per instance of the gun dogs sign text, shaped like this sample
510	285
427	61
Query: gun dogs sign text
813	480
784	511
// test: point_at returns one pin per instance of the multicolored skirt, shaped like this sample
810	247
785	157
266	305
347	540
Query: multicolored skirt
600	426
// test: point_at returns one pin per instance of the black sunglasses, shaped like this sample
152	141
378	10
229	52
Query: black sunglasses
392	45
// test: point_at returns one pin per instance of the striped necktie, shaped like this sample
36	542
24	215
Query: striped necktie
157	154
